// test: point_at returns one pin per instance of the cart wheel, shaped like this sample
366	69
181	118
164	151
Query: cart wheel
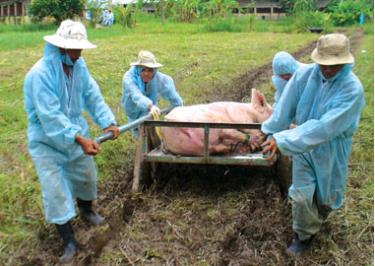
283	169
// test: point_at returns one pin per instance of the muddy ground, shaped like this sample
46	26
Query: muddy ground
194	215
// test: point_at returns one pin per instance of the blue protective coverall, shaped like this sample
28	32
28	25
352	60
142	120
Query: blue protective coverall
138	96
327	113
282	63
54	106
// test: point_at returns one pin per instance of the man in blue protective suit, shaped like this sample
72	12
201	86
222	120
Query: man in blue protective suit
283	66
56	89
142	86
325	99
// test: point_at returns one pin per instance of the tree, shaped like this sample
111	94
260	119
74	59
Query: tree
346	12
58	9
297	6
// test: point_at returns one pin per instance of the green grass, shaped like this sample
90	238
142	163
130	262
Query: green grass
30	35
199	61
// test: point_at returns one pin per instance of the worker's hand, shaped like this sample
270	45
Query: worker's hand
255	139
270	145
89	146
154	110
115	131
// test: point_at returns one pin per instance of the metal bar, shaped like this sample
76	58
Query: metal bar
131	125
252	159
153	123
144	135
206	142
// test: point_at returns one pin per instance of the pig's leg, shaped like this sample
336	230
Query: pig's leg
220	148
226	139
236	136
232	134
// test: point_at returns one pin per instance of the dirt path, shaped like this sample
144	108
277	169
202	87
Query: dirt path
194	215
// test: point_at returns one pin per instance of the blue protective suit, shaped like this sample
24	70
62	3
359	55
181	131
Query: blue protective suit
327	113
138	96
282	63
54	104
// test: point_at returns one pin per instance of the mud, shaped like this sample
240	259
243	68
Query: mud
192	215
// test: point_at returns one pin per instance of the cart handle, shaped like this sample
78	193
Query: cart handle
109	135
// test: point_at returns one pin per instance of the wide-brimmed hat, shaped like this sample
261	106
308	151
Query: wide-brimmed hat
332	49
70	35
147	59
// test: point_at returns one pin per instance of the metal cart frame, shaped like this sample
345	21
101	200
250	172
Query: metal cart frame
149	153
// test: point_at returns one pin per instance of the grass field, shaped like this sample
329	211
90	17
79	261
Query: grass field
200	62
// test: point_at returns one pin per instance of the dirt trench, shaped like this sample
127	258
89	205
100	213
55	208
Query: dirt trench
192	215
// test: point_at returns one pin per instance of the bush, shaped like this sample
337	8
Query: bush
126	16
314	19
58	9
347	12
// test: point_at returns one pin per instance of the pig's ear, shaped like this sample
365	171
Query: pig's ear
258	100
254	100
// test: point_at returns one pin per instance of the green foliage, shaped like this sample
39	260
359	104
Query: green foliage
94	7
58	9
252	22
190	10
32	27
221	8
126	16
187	10
297	6
304	21
164	9
302	6
347	12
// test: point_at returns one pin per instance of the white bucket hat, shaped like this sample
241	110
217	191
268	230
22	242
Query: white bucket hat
70	35
332	49
147	59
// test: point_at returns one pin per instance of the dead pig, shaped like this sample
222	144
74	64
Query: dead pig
190	141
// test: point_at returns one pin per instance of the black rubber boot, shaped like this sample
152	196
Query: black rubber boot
87	213
297	247
70	244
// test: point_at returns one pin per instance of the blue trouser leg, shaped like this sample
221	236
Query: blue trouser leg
306	217
82	176
57	196
62	183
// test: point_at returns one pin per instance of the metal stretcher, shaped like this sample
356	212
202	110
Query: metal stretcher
150	151
149	154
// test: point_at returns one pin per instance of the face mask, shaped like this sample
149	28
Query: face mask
65	58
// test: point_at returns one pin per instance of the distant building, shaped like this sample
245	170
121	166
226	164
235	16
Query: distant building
14	8
268	9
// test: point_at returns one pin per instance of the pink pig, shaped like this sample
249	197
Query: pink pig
190	141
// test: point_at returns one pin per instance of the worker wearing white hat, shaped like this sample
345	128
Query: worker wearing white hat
325	99
56	89
142	86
